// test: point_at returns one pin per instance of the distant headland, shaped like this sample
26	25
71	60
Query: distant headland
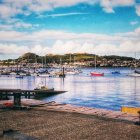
77	59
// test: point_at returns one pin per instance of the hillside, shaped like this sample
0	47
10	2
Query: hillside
82	59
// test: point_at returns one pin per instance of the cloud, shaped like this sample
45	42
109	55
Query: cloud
39	37
39	6
62	15
13	49
43	35
22	25
7	11
108	5
138	9
134	22
61	47
108	10
16	24
68	42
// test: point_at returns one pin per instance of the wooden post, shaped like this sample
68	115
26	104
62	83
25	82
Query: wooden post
25	95
17	99
0	95
63	71
139	116
28	95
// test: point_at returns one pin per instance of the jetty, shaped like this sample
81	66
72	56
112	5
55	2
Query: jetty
18	93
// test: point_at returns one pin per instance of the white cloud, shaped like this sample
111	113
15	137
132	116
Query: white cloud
7	11
66	42
53	35
61	15
108	5
22	25
37	6
16	24
138	9
134	22
13	49
61	47
108	10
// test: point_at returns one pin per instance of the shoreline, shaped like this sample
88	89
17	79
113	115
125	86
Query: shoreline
69	108
45	122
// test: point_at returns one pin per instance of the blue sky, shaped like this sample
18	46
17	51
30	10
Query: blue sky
64	26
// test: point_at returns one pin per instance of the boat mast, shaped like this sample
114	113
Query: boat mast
135	61
42	62
74	62
28	64
45	62
70	58
61	62
35	64
95	61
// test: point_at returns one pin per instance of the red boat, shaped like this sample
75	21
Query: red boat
96	74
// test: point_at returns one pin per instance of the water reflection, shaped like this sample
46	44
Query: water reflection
109	92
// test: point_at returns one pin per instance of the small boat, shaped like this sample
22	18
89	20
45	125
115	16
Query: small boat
96	74
134	74
131	110
137	71
19	76
13	73
42	87
34	74
116	72
44	75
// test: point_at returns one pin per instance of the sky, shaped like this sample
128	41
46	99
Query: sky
43	27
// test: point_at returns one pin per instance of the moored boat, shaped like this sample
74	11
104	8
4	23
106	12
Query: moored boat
97	74
116	72
40	86
131	110
134	74
19	76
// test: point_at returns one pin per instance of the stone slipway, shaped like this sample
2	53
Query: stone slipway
53	106
118	115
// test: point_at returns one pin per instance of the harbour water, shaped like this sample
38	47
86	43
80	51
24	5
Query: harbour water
108	92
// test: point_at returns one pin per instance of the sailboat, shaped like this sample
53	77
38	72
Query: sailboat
72	70
96	73
136	72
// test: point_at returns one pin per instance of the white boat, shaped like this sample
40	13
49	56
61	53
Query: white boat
72	72
41	86
22	74
44	75
13	73
34	74
134	74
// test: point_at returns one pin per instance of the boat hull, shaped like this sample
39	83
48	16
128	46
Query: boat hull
116	72
131	110
96	74
134	75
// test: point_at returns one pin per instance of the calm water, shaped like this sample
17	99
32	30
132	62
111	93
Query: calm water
109	92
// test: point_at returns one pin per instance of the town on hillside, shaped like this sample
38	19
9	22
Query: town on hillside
76	59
